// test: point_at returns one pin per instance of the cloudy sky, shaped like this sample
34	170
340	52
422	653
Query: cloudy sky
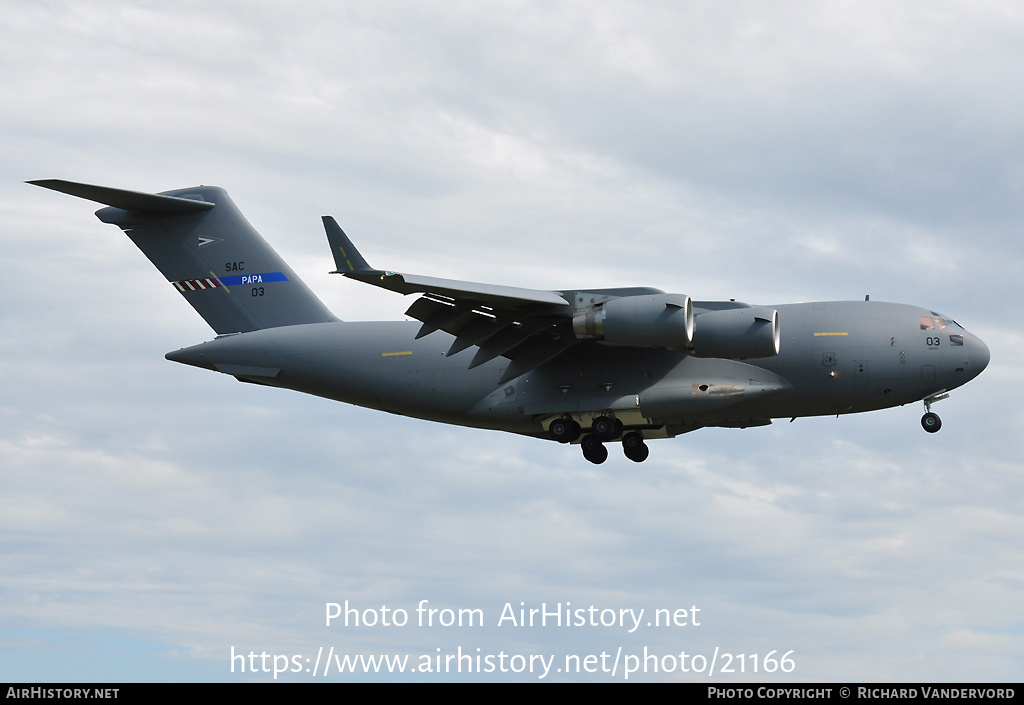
154	516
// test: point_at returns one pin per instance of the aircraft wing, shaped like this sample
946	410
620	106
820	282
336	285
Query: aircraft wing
529	326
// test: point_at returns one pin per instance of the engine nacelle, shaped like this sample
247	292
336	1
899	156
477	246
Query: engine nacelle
737	333
651	321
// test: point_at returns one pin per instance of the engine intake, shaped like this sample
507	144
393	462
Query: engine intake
655	321
737	333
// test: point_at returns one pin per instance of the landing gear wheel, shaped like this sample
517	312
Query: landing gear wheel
931	422
594	450
603	428
638	454
564	430
576	432
632	440
634	447
559	430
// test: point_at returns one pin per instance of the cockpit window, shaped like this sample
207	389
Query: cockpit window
929	323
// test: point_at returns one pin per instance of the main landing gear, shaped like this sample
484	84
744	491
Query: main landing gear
931	422
594	450
564	430
633	447
602	430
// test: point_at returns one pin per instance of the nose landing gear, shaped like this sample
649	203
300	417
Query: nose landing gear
931	422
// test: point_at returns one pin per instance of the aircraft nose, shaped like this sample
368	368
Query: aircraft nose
979	355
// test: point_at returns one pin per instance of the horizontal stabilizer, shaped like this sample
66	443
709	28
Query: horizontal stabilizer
125	200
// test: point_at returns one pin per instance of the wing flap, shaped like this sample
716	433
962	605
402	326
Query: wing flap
474	333
435	315
509	338
535	353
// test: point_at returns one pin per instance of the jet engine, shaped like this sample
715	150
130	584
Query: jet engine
737	333
653	321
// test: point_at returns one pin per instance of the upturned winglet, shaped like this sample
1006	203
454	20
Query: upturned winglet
346	256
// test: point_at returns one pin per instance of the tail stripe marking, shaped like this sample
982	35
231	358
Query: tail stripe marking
196	284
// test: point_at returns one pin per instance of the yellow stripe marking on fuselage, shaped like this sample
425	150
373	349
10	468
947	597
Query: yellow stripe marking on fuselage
393	354
818	335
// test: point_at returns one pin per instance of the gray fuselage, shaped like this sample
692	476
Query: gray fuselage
835	358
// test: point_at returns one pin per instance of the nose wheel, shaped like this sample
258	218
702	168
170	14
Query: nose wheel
931	422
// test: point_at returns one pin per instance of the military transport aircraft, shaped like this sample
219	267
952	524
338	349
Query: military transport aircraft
587	366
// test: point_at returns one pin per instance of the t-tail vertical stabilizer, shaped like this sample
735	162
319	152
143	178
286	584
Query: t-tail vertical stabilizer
207	250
